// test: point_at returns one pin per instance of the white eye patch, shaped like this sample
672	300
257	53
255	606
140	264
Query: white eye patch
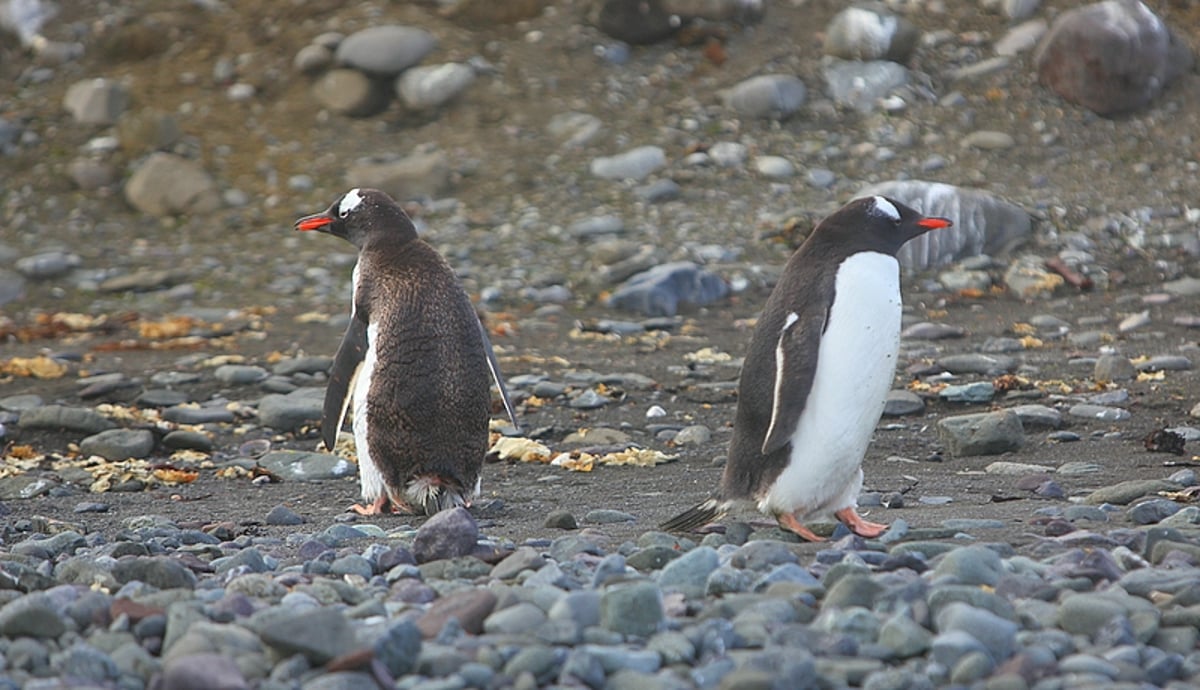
881	207
350	201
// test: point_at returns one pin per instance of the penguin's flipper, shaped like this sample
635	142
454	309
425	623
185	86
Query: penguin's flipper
795	369
494	367
346	364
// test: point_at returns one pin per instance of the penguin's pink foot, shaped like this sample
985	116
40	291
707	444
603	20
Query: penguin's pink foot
792	524
381	506
850	518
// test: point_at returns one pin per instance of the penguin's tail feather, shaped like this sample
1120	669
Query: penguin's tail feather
431	494
697	516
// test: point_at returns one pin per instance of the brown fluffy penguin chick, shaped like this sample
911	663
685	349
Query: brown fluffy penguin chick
415	364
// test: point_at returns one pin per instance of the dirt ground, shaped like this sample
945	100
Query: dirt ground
1095	170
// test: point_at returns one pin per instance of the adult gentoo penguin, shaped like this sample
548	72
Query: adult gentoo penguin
817	373
415	362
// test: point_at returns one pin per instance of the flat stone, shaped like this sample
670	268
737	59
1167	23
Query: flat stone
319	634
1126	492
297	465
989	433
292	411
900	403
119	444
469	607
1101	413
634	164
634	609
59	417
385	50
447	534
774	96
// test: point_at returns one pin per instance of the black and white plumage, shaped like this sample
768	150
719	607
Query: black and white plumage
415	364
817	372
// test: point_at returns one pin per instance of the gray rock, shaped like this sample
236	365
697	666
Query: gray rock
520	618
239	374
1021	38
1101	413
1127	492
776	167
313	364
33	615
903	636
385	50
983	222
192	414
1153	511
297	465
988	140
1165	363
58	417
96	101
119	444
689	573
1110	57
971	363
901	403
774	96
351	93
1038	417
448	534
425	88
319	634
47	264
1113	367
693	435
634	164
202	672
997	634
661	290
597	225
573	129
976	392
161	572
989	433
524	558
607	516
292	411
418	175
12	286
870	32
166	184
634	609
862	85
949	647
971	565
399	647
312	59
183	439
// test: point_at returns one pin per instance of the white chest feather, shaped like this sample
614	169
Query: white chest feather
855	368
369	476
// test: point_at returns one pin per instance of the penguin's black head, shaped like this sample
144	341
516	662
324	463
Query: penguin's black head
360	214
877	223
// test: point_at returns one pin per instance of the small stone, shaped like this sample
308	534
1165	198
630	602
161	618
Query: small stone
632	609
988	140
385	50
165	184
662	290
776	167
693	435
870	32
1101	413
560	519
96	101
989	433
58	417
425	88
634	164
283	515
298	465
239	374
292	411
320	634
977	392
902	402
350	92
448	534
1127	492
1038	417
202	672
119	444
774	96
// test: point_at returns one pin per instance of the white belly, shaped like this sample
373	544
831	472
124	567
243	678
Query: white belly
855	369
368	474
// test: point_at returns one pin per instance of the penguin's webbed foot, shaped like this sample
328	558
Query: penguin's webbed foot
381	506
863	528
791	523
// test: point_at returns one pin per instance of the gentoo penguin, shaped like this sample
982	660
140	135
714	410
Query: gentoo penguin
415	362
817	373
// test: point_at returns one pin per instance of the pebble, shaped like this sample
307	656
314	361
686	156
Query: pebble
292	411
662	290
989	433
424	88
1101	413
119	444
773	96
385	50
634	164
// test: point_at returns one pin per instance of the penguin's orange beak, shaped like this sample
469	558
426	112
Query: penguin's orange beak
314	222
934	223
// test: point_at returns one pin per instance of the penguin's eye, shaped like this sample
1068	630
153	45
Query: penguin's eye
350	201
